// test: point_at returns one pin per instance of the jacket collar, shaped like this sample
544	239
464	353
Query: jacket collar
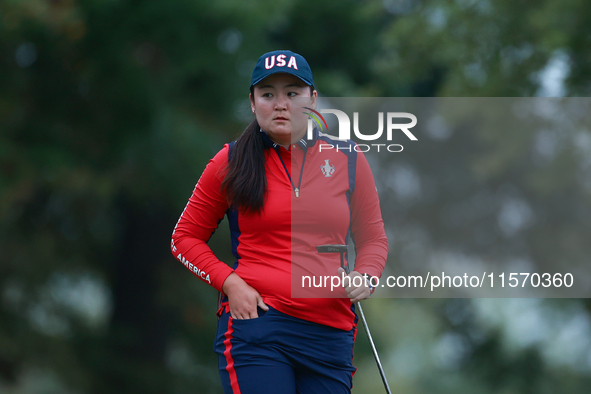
304	143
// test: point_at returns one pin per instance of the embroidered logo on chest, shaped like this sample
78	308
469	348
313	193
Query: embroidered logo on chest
327	169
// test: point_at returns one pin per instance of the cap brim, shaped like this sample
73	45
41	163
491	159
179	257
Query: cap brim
307	82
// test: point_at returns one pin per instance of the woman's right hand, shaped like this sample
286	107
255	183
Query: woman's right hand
242	298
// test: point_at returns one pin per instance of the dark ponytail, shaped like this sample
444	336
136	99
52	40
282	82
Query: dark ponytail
245	182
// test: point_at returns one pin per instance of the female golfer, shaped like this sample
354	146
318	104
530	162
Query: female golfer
284	193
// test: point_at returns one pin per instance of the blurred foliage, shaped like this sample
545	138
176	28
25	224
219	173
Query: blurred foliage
110	109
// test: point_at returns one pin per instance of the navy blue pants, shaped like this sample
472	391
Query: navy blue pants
277	353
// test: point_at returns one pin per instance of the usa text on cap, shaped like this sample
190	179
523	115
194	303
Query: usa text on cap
282	62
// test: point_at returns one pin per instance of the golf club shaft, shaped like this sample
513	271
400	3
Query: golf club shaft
373	346
375	352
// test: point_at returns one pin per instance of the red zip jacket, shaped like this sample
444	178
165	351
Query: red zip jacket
336	199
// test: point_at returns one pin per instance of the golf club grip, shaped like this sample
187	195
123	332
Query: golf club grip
375	352
345	267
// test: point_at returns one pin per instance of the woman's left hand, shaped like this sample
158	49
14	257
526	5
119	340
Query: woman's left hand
355	293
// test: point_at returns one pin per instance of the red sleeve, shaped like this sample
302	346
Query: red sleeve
367	226
201	216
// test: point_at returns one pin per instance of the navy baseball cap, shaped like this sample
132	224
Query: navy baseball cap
282	62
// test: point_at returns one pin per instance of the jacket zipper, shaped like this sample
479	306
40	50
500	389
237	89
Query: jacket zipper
295	189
